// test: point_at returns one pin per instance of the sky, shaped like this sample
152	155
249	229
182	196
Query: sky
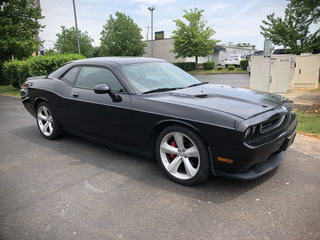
234	21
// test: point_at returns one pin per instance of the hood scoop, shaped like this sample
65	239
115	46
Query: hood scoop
220	97
202	96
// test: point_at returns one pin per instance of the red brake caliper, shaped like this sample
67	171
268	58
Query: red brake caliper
173	144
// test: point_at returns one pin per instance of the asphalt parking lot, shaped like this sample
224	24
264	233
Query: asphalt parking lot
234	80
74	189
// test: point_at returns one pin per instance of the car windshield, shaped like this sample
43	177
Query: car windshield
153	76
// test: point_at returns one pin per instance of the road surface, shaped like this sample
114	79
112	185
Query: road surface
75	189
234	80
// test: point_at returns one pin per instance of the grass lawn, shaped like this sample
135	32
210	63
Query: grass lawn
215	70
9	91
316	89
309	122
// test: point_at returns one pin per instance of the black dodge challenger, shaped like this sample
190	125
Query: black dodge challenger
152	108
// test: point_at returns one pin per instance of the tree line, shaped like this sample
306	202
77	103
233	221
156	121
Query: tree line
121	36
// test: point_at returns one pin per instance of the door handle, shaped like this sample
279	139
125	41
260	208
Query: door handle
75	94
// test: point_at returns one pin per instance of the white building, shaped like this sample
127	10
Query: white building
163	49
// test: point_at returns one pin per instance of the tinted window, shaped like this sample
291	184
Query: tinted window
148	76
89	77
70	76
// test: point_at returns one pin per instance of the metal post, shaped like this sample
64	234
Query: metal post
75	19
151	9
147	32
151	33
38	37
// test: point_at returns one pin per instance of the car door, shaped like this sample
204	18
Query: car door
97	115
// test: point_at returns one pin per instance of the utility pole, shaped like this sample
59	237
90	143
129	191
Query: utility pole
151	9
147	27
75	19
38	38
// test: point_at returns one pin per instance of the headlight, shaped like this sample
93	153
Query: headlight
250	131
254	128
247	133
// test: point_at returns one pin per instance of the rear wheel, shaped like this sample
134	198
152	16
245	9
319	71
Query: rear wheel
183	155
47	121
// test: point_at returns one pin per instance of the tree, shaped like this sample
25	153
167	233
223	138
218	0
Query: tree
120	36
311	7
19	28
67	42
193	39
292	31
50	52
96	52
245	45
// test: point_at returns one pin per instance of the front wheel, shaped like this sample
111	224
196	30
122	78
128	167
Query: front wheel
47	122
182	155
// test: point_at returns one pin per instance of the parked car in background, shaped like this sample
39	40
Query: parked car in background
258	53
234	60
152	108
281	51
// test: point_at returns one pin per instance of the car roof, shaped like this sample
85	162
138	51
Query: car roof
111	62
117	60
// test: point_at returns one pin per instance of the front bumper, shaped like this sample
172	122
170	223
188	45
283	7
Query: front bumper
263	167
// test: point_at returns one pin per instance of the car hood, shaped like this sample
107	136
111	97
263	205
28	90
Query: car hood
239	102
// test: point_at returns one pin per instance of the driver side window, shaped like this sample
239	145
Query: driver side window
89	77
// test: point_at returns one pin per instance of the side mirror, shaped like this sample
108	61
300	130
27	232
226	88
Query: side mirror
102	89
105	88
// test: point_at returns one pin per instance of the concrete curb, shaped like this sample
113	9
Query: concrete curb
307	145
306	107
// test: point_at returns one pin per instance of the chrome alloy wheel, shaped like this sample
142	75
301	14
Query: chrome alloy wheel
179	156
45	120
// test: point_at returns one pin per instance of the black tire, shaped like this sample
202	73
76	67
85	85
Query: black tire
47	122
187	164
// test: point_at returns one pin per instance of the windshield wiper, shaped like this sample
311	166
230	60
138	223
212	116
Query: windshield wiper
160	90
198	84
171	89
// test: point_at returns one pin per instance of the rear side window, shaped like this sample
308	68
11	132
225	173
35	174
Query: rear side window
70	76
89	77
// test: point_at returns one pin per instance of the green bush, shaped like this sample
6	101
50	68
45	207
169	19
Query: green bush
186	66
208	65
3	79
44	65
231	67
16	72
244	64
219	68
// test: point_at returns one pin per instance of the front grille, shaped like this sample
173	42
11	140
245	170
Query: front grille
270	125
